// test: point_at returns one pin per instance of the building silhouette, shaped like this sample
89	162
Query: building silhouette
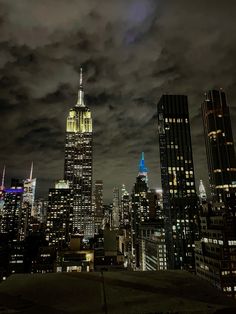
11	213
219	144
139	206
215	253
125	212
27	208
98	205
178	183
116	208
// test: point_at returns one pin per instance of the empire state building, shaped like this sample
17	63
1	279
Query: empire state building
78	163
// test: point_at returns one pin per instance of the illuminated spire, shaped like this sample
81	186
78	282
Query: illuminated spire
31	170
80	102
142	169
3	177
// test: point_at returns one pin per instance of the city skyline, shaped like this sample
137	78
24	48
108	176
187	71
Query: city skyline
157	49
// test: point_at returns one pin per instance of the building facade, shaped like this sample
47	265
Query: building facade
219	144
178	183
11	213
125	213
98	205
27	208
59	215
2	187
216	249
116	208
215	253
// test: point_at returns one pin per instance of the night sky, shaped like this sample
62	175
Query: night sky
132	52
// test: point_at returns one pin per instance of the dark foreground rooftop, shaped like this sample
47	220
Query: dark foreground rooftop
161	292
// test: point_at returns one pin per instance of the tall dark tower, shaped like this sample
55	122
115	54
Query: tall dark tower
219	144
216	250
140	206
98	205
178	184
78	163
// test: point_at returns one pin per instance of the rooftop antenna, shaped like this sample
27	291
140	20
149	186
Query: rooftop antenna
3	177
31	171
80	102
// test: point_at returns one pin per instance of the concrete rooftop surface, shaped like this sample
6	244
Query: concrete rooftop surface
159	292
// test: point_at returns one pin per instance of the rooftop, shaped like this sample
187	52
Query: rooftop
112	292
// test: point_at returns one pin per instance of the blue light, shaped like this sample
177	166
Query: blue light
142	167
20	190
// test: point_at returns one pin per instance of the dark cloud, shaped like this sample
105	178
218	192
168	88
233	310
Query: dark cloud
132	52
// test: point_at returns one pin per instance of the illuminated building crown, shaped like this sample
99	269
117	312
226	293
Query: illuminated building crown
142	168
79	119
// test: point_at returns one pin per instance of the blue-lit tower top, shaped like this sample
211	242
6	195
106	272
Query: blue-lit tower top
143	170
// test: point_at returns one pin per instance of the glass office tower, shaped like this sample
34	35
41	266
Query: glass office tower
178	183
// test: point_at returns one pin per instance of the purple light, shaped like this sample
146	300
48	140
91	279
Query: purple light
20	190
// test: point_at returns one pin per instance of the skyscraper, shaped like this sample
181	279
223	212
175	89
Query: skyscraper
177	177
27	204
140	206
216	249
2	187
11	216
98	203
219	144
143	169
140	203
116	208
78	163
125	213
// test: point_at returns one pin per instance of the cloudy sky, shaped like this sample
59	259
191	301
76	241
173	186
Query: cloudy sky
132	52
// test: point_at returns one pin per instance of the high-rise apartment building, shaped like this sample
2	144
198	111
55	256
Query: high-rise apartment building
216	249
78	163
219	144
59	215
177	177
11	215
